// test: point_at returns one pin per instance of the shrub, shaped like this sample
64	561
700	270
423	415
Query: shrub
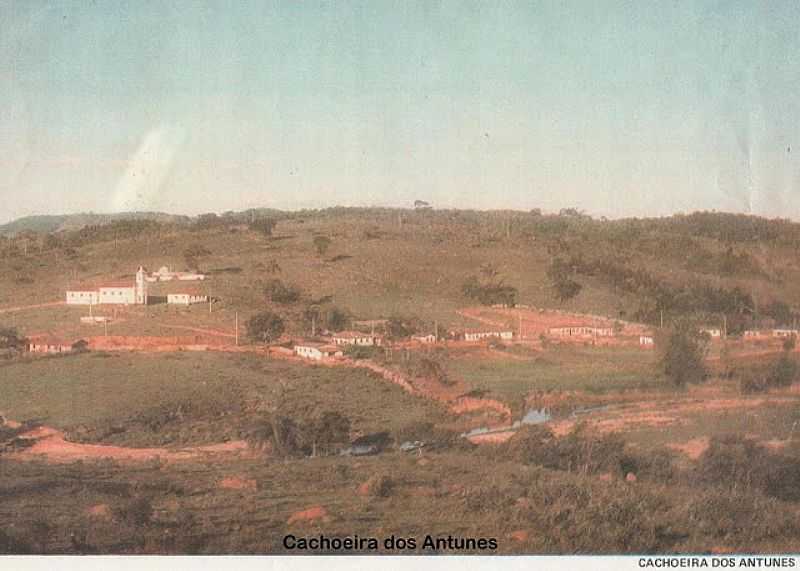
280	292
576	452
783	372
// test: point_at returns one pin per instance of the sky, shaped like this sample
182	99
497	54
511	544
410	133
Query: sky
618	108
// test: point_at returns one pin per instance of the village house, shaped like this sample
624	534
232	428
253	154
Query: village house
646	341
784	333
164	274
51	344
116	293
713	332
356	338
479	335
423	338
317	351
581	331
752	334
186	298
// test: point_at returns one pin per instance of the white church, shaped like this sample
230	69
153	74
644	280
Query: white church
119	293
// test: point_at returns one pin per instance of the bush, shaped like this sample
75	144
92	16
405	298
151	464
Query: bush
280	292
783	372
576	452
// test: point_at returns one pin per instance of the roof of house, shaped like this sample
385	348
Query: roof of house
51	339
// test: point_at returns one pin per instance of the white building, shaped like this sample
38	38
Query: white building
50	344
427	339
117	293
186	298
355	338
784	333
646	340
82	296
713	332
581	331
164	274
317	351
480	335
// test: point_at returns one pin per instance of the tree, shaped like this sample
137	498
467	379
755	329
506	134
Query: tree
322	243
337	319
560	273
399	328
264	327
263	226
683	350
329	429
783	372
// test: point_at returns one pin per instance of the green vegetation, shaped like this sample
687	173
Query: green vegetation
683	350
139	399
596	370
264	327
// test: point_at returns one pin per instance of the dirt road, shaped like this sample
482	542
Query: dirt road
27	307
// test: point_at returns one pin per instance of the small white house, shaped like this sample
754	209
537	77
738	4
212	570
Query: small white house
317	351
355	338
427	339
50	344
784	333
713	332
186	298
751	334
581	331
164	274
480	335
646	340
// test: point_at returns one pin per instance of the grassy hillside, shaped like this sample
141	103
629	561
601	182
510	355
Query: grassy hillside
414	263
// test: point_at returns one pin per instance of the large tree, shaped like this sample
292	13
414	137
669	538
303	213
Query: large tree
683	349
265	327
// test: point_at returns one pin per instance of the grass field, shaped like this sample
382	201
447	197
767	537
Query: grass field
563	368
219	394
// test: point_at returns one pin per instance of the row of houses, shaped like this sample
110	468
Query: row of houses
334	346
581	331
53	344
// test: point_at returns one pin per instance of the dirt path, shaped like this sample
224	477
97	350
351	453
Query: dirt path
36	306
212	332
50	444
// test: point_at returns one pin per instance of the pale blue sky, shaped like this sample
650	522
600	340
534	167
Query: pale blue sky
619	108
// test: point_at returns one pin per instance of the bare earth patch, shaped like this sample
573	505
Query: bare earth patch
51	444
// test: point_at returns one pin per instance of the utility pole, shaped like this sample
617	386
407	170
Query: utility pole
520	325
313	325
725	325
662	319
236	328
436	330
